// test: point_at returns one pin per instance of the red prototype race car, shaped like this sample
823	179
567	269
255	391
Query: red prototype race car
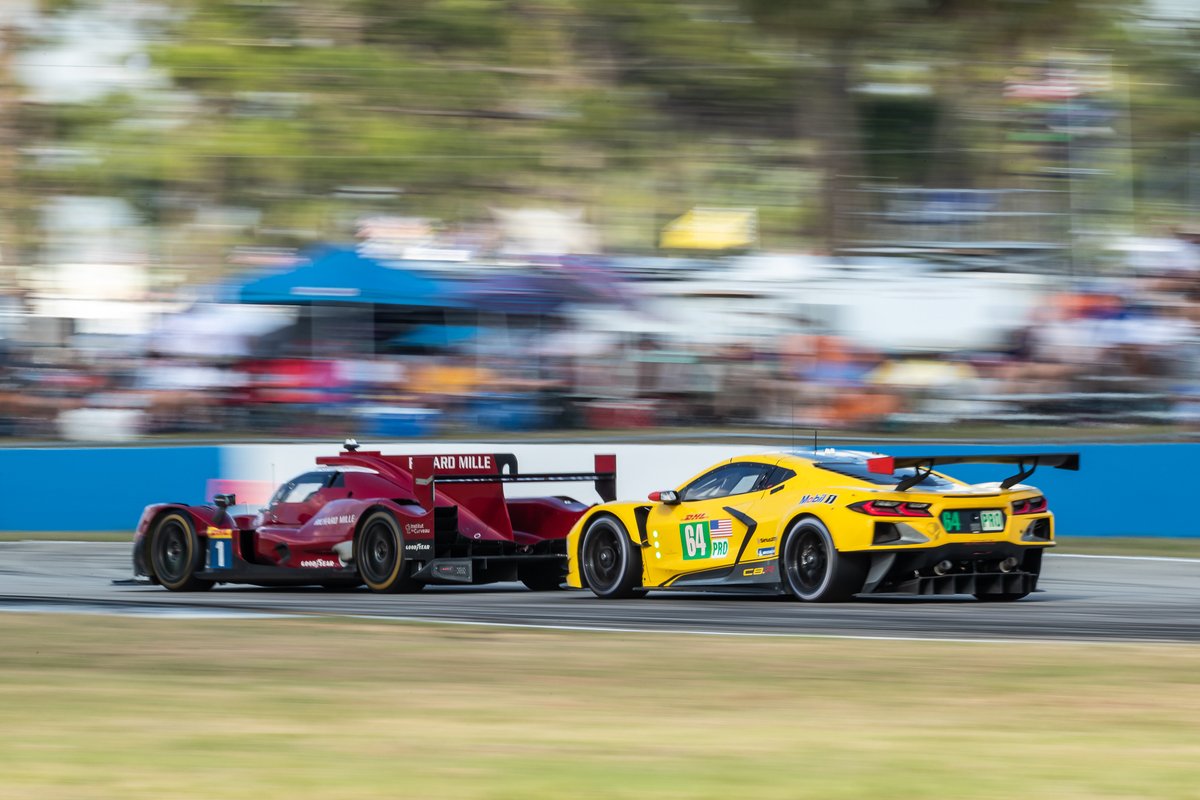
395	523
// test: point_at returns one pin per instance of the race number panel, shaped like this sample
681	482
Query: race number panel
220	548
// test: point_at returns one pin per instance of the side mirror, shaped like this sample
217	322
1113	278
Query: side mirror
668	497
224	500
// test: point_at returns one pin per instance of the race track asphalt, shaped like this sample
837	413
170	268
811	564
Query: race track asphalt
1080	598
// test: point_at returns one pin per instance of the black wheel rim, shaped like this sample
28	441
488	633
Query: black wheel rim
172	548
602	558
378	552
808	560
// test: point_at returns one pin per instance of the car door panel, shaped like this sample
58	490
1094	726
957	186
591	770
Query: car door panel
706	530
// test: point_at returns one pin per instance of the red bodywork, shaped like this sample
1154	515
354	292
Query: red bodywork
446	506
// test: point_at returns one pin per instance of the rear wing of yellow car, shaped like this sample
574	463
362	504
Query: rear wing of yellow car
923	465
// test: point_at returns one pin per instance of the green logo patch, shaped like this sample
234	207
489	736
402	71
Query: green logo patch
696	540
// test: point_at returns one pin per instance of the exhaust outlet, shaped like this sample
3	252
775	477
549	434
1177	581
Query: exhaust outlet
942	567
1008	564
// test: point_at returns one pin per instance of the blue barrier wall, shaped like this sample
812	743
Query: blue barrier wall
1121	489
98	489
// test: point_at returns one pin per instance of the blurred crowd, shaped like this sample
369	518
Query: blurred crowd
1107	351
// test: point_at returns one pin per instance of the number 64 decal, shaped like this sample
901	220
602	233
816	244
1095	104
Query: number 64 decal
697	541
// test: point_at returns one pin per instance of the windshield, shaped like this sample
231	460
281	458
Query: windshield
858	469
298	489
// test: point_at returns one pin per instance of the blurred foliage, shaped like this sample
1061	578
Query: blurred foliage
634	110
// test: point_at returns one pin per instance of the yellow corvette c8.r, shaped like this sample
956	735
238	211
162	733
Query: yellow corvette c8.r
824	526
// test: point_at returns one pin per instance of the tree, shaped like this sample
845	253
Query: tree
952	36
633	109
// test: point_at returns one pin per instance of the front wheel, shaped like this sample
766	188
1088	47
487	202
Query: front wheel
176	555
611	565
379	554
814	570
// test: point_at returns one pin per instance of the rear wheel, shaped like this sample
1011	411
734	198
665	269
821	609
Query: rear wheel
814	570
610	563
379	554
176	555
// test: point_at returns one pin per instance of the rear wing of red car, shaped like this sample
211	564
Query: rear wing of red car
502	468
423	471
923	465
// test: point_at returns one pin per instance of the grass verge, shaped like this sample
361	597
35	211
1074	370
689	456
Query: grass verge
1130	546
66	536
109	707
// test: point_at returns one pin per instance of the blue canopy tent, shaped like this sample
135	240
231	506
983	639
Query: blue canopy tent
341	275
436	336
351	304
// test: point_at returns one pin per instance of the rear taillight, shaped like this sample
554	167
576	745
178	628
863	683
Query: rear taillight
1034	505
890	508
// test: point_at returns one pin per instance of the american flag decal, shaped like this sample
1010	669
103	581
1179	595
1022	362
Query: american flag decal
718	528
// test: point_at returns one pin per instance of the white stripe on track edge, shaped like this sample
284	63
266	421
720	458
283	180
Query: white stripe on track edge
758	634
1129	558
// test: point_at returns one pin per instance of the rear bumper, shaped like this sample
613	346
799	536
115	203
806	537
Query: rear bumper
883	535
957	568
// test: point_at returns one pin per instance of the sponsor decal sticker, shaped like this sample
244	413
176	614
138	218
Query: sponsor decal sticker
697	541
691	517
318	562
763	552
720	528
340	519
462	462
219	533
751	572
813	499
453	571
416	528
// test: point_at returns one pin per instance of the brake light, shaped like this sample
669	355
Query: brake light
890	508
1034	505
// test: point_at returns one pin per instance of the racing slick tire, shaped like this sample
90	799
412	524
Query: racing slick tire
813	570
608	561
176	555
379	554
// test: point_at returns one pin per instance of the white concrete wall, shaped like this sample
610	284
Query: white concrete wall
641	468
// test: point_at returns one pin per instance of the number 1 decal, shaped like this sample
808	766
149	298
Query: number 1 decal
220	548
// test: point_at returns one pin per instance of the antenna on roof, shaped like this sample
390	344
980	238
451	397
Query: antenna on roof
793	423
814	440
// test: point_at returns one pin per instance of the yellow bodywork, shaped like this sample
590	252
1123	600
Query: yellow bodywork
812	491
